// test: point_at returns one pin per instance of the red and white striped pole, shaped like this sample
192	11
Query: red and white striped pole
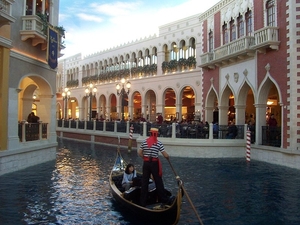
248	145
130	138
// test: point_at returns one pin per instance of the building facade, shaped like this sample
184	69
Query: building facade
235	63
27	83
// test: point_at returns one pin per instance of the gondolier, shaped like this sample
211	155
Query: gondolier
154	211
149	151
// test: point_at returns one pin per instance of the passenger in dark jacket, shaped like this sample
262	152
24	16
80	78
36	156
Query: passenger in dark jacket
232	131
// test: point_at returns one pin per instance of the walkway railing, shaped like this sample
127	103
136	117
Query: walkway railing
174	130
32	131
270	137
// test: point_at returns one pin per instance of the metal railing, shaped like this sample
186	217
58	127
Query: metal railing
270	136
32	131
192	131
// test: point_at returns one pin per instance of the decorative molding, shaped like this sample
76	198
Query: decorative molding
234	9
268	67
236	77
227	76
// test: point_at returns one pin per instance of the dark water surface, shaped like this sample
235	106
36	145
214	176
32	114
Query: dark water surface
74	189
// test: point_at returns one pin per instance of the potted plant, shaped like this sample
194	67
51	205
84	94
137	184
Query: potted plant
173	65
165	66
44	19
61	30
192	62
182	63
153	68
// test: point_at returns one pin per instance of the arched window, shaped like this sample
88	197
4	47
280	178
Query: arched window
174	51
210	41
232	30
270	6
154	56
249	23
240	23
192	47
147	57
225	34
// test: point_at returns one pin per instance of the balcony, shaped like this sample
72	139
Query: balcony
5	12
33	29
229	53
242	48
266	38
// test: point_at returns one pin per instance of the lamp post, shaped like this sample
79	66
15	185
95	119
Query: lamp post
121	91
66	95
90	92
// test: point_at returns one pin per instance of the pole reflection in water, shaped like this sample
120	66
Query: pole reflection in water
74	190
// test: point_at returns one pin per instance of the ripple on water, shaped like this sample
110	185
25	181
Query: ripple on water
74	189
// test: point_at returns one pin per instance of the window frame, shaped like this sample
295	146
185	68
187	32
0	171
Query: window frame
270	13
241	26
233	35
225	34
210	41
249	23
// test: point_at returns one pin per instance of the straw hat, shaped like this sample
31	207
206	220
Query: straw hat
153	129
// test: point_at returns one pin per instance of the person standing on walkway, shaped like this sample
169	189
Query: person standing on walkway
159	119
149	153
272	127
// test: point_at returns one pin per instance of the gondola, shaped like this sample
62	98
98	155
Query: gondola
154	212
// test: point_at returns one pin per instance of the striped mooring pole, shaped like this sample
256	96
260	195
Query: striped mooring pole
130	138
248	149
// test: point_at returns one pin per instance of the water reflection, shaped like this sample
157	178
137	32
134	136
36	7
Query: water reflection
74	189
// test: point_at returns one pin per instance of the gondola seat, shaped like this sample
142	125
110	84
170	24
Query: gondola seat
133	194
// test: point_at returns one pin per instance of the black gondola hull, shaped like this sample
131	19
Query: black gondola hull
154	213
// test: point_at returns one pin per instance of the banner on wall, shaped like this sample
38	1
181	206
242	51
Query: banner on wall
52	49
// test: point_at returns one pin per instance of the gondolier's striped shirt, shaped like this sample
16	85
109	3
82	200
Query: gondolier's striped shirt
153	151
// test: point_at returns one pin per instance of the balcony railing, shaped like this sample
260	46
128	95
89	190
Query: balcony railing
241	48
271	136
32	27
206	58
5	12
234	49
266	38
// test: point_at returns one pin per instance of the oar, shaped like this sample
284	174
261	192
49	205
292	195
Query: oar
186	194
119	142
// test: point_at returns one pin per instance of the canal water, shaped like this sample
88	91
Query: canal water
73	189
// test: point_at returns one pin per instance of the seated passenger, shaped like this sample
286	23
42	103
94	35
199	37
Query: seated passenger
128	176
